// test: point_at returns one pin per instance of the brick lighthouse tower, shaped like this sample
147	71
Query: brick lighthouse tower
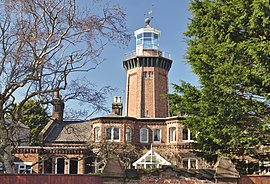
147	76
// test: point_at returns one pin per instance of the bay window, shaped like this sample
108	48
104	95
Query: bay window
112	134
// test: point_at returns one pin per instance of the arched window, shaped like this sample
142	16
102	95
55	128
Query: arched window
47	165
60	166
128	134
73	166
144	135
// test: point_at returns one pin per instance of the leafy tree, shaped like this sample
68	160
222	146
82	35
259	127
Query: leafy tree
35	117
43	43
228	48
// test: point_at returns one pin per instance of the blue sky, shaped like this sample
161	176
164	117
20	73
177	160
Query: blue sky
171	18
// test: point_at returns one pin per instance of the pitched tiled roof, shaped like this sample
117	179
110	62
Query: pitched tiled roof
70	131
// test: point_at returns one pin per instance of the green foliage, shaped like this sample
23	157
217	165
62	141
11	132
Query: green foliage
35	117
229	49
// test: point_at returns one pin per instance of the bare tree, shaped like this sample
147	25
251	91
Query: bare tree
42	43
127	153
89	97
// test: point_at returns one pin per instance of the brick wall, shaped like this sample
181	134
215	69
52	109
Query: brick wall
144	88
136	125
50	179
161	88
133	92
28	157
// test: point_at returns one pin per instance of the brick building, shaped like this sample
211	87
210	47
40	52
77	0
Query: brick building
73	146
146	122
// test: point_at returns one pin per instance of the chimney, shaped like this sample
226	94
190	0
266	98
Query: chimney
58	107
117	106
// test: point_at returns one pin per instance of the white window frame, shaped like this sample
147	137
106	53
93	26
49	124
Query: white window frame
188	134
112	134
189	162
56	164
128	134
96	134
43	164
172	140
147	135
77	165
159	135
22	166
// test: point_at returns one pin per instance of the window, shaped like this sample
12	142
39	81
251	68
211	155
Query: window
149	40
144	135
24	167
1	166
128	134
73	166
112	134
145	75
146	113
147	34
190	163
186	135
156	135
97	134
148	75
172	132
139	39
60	166
47	166
150	160
139	36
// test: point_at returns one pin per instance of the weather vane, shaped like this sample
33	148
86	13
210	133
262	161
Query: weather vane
148	16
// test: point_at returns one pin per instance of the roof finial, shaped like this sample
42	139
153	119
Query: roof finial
147	22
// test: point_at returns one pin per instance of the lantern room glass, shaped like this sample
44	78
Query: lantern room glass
149	40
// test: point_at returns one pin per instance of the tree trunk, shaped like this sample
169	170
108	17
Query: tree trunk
5	146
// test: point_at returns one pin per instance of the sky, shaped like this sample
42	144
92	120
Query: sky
171	18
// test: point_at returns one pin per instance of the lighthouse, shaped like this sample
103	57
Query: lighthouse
147	76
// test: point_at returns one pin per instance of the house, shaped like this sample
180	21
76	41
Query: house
79	147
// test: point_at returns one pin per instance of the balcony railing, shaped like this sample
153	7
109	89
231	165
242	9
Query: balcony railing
149	52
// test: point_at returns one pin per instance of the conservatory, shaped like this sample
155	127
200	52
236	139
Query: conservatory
150	160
